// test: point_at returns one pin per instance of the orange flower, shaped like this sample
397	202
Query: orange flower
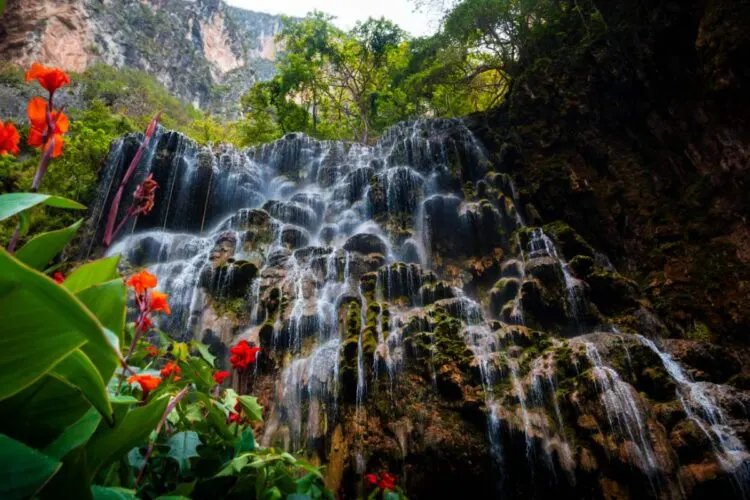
170	369
37	112
147	382
141	281
9	139
50	78
152	351
159	302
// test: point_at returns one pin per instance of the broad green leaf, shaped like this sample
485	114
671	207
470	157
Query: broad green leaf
13	203
298	496
23	470
48	406
79	372
390	495
123	400
109	444
92	273
136	458
182	447
103	493
108	302
42	324
246	442
74	436
252	408
42	248
217	418
200	373
205	353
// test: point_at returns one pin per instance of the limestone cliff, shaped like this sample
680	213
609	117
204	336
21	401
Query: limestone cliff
203	51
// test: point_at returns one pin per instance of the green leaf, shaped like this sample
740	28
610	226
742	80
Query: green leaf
92	273
203	349
42	324
200	373
390	495
246	442
13	203
79	372
102	493
123	400
108	302
23	224
42	248
252	408
110	444
23	470
74	436
182	447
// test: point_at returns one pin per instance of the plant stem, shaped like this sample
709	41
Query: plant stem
171	406
110	232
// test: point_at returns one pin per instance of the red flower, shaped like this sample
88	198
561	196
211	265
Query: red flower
58	277
170	369
143	324
243	355
371	478
220	377
37	111
143	198
50	78
147	382
9	139
152	351
235	417
142	281
159	302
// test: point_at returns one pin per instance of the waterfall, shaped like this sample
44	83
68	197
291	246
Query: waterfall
360	270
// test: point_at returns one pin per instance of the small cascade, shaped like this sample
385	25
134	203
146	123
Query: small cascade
701	406
540	245
624	409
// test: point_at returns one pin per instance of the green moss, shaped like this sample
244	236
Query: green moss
700	332
569	241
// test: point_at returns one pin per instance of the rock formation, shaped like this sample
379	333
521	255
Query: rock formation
225	49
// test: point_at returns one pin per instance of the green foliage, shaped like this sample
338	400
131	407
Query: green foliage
68	422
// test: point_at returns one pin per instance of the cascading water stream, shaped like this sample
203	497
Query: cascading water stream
300	232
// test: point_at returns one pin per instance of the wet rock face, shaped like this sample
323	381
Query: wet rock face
414	327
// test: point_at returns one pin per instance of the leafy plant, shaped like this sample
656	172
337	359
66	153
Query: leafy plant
90	409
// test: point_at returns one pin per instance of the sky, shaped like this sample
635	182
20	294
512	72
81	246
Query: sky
348	12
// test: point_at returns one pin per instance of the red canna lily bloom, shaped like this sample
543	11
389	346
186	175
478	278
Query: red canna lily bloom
243	355
37	111
152	351
147	382
221	376
235	417
142	281
58	277
170	369
386	485
371	478
50	78
9	139
159	302
390	478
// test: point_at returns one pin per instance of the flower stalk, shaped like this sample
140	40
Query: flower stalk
112	229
